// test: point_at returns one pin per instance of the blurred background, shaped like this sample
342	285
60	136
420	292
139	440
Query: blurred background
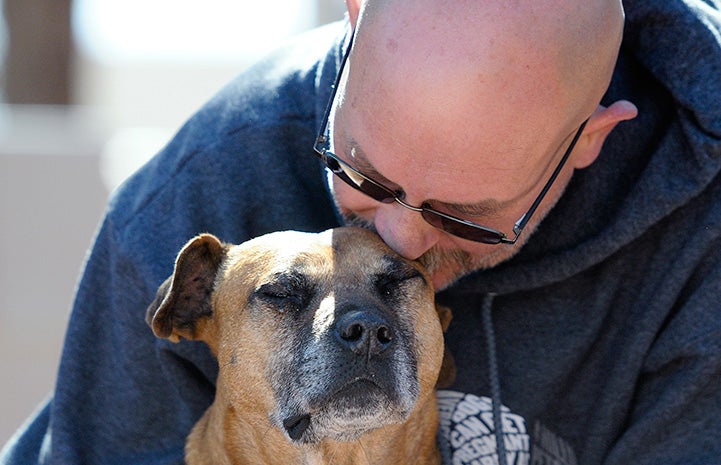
90	90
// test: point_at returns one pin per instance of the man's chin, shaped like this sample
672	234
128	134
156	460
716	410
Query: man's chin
446	266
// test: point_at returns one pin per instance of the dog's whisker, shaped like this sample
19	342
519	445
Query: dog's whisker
267	432
364	451
332	457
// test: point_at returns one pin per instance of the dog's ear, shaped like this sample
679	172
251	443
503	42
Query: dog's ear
185	297
448	367
445	316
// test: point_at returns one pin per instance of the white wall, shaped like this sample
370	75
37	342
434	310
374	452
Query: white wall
51	198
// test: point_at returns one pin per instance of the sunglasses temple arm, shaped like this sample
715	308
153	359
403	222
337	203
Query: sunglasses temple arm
321	139
521	223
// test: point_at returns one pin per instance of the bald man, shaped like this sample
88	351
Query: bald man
554	164
481	98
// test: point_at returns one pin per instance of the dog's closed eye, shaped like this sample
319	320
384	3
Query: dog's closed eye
390	282
285	293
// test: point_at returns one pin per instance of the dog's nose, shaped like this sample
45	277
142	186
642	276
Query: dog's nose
364	333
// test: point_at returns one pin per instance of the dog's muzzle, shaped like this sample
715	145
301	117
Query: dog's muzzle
358	375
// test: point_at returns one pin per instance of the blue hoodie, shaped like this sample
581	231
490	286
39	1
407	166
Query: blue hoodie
599	343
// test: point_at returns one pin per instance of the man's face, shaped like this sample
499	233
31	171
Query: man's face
493	195
473	124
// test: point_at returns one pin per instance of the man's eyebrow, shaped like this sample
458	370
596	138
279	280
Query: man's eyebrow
484	208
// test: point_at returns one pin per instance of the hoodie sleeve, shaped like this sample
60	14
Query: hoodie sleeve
121	395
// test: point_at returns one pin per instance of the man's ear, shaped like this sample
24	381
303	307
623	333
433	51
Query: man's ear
599	126
353	7
184	299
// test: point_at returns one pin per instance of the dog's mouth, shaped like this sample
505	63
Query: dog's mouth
356	408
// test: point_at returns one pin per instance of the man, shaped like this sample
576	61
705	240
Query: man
458	94
589	333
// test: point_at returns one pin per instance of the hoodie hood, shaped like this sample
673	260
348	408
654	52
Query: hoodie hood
650	168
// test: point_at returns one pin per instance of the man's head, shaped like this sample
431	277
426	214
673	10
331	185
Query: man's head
471	105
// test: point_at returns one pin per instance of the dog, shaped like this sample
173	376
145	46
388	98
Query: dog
329	347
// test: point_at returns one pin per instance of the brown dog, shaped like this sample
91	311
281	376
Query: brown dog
329	347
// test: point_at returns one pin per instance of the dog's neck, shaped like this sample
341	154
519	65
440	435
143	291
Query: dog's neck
222	437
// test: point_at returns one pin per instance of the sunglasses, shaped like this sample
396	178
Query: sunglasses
377	191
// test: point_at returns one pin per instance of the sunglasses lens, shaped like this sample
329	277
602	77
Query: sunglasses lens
459	229
376	192
360	182
380	193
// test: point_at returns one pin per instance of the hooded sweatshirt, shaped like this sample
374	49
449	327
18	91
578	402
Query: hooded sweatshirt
599	343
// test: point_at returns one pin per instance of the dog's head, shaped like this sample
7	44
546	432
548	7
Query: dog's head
328	335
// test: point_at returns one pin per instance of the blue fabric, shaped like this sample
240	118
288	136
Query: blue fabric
607	325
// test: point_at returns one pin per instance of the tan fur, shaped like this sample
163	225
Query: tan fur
215	295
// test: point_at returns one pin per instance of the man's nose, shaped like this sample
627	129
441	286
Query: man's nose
405	231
